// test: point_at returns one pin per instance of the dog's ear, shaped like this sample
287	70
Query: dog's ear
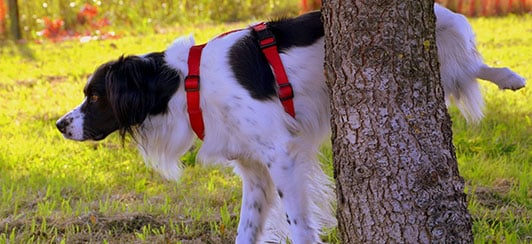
139	86
130	82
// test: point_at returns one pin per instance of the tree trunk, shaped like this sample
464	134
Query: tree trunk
394	161
14	19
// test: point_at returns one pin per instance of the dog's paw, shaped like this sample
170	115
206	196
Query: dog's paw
511	80
505	78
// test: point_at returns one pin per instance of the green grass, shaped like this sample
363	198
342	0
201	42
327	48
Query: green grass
60	191
495	157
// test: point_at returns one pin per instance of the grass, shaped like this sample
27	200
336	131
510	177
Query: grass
58	191
495	157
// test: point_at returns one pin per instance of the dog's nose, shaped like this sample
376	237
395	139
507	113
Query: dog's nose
61	125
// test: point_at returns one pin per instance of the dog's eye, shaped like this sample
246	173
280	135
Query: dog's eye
93	98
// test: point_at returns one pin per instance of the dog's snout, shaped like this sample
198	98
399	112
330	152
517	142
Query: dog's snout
71	125
62	124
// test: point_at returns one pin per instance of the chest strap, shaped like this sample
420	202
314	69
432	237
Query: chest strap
192	88
269	49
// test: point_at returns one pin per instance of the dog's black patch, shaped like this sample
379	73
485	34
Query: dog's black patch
99	120
251	68
302	31
249	65
129	90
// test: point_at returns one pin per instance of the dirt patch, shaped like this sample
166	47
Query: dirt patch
30	83
55	79
496	206
489	198
94	227
126	223
496	196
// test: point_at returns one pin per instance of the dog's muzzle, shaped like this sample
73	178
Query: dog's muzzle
71	125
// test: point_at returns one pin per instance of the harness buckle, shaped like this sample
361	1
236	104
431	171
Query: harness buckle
192	83
285	91
265	36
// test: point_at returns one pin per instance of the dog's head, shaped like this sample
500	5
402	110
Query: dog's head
120	95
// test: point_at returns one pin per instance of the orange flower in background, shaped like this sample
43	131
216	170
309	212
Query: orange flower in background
3	10
309	5
3	13
88	25
53	29
101	23
87	13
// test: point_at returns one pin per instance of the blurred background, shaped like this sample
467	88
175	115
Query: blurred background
58	20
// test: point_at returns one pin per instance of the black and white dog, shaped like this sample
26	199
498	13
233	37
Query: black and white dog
286	194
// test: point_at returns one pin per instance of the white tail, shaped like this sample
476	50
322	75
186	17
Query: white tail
461	64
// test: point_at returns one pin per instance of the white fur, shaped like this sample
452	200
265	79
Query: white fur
274	153
74	131
271	150
461	64
161	151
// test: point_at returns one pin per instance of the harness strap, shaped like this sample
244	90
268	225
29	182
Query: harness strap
269	49
192	87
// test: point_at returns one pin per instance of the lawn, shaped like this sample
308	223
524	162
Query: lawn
60	191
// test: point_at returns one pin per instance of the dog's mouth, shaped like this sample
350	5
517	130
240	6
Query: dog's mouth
70	136
99	137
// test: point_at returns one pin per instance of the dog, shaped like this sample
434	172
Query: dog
286	194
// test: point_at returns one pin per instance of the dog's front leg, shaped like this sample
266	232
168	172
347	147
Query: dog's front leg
257	199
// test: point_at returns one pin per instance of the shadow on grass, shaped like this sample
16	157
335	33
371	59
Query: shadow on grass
95	227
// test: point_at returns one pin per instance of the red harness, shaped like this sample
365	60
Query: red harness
269	49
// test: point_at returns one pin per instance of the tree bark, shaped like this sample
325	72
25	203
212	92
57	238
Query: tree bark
14	19
394	161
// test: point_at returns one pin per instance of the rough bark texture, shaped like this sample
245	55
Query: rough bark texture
395	165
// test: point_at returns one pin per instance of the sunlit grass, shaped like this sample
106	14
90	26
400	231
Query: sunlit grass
495	157
55	190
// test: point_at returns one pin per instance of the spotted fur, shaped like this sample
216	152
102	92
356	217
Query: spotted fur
285	191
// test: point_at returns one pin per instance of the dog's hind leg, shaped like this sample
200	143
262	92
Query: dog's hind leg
318	192
257	199
461	64
290	176
503	77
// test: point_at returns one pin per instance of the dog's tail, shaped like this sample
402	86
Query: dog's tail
461	64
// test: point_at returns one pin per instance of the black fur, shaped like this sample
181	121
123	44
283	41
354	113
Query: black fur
249	65
130	89
99	120
302	31
134	87
251	69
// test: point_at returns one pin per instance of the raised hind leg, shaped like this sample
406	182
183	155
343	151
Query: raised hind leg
503	77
